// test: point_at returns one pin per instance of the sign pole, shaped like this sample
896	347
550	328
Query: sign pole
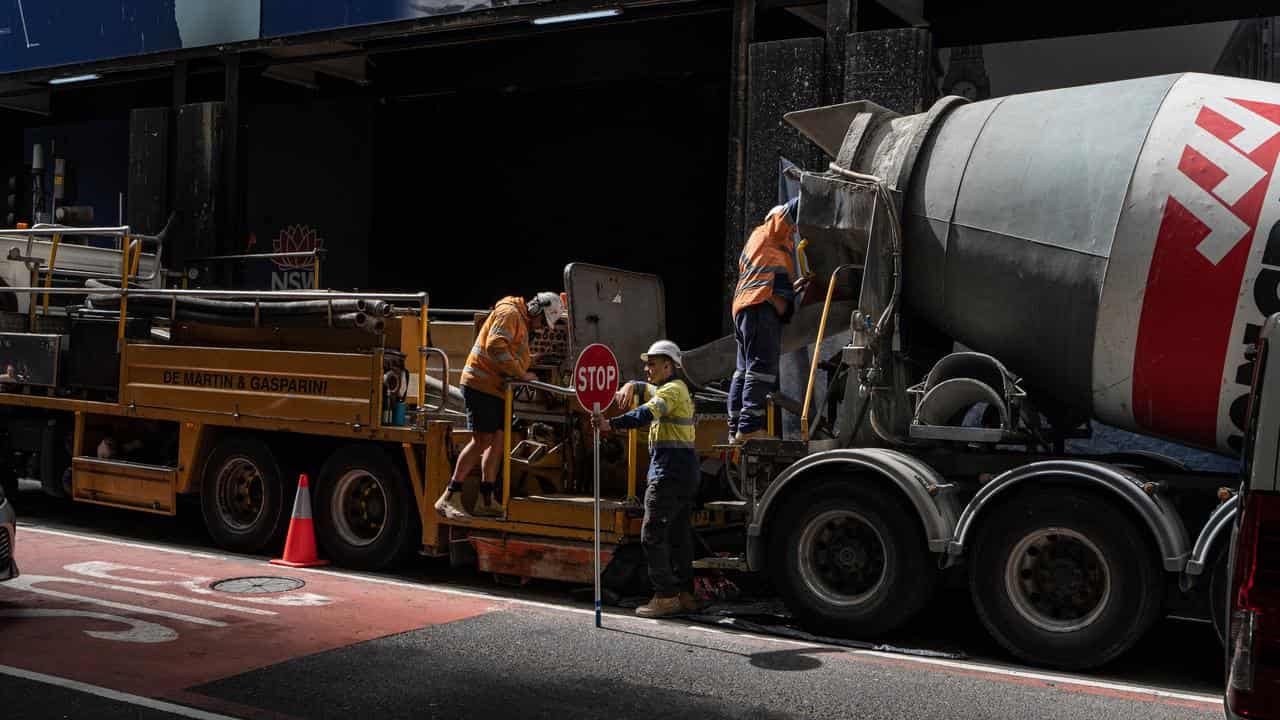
595	383
596	515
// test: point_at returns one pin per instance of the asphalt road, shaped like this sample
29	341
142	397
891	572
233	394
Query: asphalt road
429	641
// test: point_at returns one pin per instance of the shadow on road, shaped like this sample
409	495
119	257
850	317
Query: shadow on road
796	660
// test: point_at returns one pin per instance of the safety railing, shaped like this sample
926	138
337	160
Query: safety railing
129	246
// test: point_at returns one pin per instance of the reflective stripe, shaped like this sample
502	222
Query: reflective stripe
752	285
672	445
754	412
762	376
477	350
659	404
750	272
738	373
475	371
496	330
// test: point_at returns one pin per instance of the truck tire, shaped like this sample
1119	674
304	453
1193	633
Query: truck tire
365	513
1061	577
849	559
243	495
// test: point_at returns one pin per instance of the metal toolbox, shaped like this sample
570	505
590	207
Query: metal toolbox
29	359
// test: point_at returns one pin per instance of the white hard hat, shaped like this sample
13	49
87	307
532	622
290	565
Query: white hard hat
665	348
550	305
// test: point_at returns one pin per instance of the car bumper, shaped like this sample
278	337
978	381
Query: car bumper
8	542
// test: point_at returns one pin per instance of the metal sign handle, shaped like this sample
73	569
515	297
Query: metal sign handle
596	515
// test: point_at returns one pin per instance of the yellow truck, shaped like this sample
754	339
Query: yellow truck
132	397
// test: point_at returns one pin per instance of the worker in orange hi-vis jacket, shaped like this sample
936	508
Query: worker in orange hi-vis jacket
501	355
763	301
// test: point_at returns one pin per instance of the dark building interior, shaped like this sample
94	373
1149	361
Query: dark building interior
474	155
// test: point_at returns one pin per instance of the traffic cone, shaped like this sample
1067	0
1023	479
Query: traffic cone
300	545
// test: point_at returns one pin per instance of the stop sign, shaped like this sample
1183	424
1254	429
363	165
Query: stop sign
595	377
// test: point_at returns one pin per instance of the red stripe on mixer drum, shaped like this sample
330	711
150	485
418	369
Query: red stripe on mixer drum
1194	282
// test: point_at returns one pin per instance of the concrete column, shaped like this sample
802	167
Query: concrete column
893	68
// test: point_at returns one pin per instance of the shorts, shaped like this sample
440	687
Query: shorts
484	411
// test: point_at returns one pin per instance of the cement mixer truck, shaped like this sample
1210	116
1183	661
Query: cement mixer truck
1006	273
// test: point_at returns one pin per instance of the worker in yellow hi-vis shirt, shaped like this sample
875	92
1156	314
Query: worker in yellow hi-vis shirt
667	533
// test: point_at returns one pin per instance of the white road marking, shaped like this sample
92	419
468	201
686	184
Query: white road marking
155	594
196	584
140	631
967	665
137	700
27	583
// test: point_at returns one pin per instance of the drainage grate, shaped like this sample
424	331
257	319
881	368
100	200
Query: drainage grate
257	585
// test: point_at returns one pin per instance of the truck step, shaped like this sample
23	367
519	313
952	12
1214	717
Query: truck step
720	563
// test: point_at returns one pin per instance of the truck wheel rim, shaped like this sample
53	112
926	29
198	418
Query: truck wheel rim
240	493
1058	580
359	508
842	557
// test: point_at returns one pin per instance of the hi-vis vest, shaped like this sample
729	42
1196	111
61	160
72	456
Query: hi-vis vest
672	409
501	352
766	263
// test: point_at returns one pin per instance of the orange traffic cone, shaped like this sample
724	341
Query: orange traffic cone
300	545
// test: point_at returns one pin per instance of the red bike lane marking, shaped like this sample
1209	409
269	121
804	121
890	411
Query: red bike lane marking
144	621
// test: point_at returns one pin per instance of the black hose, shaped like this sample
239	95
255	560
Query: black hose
266	310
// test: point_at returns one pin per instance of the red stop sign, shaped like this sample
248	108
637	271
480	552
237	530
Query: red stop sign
596	377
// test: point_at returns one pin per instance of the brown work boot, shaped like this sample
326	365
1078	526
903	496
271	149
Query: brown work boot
689	603
486	506
661	607
449	506
753	435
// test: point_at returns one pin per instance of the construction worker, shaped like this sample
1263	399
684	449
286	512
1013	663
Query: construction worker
666	534
763	301
500	355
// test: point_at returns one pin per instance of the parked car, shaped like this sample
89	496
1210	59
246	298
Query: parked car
8	539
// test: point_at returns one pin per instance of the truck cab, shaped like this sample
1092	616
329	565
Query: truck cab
1253	649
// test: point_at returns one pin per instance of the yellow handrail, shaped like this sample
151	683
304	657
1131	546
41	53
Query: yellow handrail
422	365
48	276
817	350
506	452
632	446
126	262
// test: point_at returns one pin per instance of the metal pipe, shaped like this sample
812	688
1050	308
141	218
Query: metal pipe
817	350
245	294
444	385
49	230
257	256
895	236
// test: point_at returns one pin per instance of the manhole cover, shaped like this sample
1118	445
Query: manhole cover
257	585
